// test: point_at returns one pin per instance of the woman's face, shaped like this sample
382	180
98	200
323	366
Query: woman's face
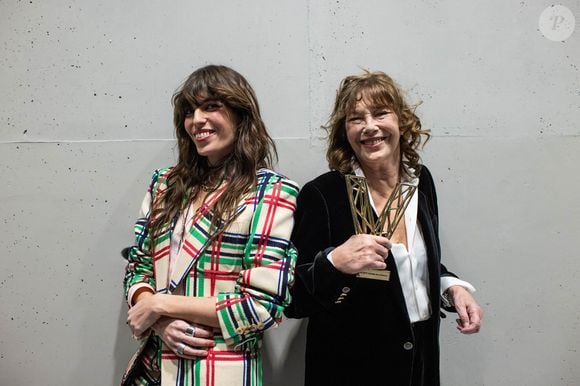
212	128
373	133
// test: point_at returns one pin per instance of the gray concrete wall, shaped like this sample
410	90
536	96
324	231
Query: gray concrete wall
85	117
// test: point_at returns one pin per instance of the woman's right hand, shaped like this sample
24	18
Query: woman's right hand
360	253
178	335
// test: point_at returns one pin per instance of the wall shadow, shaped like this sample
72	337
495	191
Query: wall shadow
283	354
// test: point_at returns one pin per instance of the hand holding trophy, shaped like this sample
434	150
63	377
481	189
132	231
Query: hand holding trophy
366	222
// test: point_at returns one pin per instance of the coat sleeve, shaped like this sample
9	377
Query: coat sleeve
318	285
427	185
139	270
431	194
261	292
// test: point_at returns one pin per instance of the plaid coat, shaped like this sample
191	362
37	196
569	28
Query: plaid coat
247	266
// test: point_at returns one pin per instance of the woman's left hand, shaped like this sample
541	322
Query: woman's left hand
187	340
470	313
144	314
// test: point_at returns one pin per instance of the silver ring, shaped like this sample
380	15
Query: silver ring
180	348
190	331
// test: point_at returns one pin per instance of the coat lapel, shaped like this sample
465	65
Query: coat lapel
197	238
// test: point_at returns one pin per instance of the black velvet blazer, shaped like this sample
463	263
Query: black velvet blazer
358	331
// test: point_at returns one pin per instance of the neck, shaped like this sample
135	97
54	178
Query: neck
214	165
382	177
212	178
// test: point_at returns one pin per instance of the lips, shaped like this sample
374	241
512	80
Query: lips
372	141
202	134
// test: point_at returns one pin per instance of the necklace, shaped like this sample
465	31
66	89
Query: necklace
208	186
212	179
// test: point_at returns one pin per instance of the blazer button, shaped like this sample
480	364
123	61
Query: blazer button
408	345
345	290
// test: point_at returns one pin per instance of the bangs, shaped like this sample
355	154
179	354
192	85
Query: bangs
371	92
198	90
195	96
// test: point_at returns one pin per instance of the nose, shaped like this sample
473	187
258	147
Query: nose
199	117
370	126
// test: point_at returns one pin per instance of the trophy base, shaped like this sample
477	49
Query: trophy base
375	274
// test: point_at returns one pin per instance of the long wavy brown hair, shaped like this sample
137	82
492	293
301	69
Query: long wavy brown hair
380	90
253	148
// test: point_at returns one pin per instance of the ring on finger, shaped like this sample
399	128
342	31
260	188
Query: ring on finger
190	331
181	348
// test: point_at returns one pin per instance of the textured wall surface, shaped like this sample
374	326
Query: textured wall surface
85	117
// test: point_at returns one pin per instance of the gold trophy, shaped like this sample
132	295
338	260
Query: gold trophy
365	221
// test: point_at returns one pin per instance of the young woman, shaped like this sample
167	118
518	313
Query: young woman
212	261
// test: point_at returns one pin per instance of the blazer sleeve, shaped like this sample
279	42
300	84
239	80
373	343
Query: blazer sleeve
261	292
139	270
427	185
318	285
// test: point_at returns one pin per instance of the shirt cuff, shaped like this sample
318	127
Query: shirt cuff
134	289
329	257
448	281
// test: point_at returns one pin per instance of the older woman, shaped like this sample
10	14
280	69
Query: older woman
212	261
368	326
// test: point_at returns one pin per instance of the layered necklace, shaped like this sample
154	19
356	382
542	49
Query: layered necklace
212	179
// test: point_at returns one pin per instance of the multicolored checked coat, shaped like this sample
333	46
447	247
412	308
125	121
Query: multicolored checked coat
247	266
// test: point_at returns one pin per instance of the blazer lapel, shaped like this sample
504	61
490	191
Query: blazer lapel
161	261
197	238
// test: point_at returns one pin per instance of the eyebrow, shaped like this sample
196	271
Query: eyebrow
193	106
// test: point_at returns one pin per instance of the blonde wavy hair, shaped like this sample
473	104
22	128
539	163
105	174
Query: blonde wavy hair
380	90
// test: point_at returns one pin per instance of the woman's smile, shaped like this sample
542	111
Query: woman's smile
374	141
212	127
203	134
373	133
